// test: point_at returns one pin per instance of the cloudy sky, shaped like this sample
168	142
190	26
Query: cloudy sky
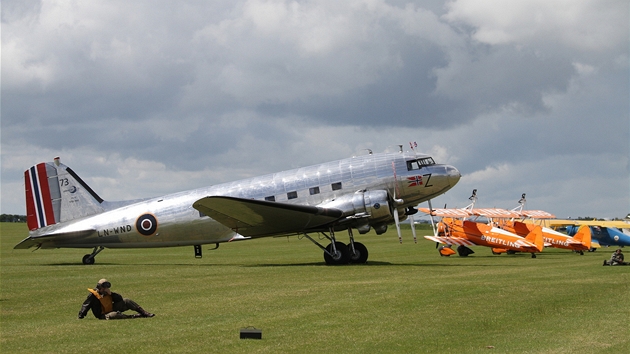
145	98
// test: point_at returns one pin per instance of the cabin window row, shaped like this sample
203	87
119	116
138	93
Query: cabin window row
312	191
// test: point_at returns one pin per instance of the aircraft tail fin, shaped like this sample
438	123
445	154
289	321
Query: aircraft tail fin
536	237
55	193
584	236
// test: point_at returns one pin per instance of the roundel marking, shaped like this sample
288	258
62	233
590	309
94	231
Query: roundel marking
616	238
146	224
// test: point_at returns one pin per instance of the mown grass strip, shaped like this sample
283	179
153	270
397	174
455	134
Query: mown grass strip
406	299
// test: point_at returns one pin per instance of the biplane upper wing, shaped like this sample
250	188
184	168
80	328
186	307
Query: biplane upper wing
256	218
449	213
496	213
566	222
537	214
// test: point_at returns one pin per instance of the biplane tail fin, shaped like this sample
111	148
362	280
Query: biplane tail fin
55	193
583	235
536	237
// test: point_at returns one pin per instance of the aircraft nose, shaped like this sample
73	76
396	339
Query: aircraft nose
453	175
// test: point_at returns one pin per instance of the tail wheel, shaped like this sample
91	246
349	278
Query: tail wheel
340	256
360	253
88	259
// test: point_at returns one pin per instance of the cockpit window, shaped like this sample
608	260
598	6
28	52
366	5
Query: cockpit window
419	163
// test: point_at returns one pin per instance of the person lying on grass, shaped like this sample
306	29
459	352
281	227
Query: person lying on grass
107	305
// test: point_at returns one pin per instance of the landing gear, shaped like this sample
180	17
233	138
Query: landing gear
337	253
360	254
533	255
464	251
89	258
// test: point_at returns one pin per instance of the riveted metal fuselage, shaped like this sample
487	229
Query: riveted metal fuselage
171	220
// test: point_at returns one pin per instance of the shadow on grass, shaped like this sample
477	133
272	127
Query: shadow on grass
454	262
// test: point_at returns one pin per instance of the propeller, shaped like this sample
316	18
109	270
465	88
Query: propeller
411	211
397	220
413	228
432	222
395	203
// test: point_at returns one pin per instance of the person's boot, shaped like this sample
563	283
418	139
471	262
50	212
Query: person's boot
144	313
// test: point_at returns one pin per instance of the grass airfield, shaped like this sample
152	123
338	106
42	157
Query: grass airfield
407	299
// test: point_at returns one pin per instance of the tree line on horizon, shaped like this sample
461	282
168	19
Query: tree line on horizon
22	218
12	218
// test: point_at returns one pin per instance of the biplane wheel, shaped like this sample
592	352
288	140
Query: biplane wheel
339	257
464	251
511	252
88	259
360	255
581	253
533	255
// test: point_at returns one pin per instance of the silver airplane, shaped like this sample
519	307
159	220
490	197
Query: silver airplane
363	192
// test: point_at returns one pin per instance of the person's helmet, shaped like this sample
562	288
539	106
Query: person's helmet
103	283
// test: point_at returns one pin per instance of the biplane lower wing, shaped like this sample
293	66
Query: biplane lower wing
449	240
257	218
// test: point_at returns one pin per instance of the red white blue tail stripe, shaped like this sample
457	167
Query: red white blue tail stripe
39	209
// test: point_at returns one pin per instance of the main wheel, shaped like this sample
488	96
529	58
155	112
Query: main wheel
339	257
464	251
88	259
360	253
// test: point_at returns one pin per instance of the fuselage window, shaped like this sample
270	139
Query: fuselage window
336	186
292	195
270	198
314	190
419	163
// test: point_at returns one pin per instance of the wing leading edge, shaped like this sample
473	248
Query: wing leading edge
257	218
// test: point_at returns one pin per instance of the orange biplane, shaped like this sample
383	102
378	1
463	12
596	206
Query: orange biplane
580	242
455	229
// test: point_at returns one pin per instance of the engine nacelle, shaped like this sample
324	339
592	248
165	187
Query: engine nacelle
368	207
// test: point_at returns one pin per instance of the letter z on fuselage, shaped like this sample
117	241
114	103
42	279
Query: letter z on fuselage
363	192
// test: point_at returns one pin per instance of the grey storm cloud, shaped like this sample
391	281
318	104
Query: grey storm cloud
135	91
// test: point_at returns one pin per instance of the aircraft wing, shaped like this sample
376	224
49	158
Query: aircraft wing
257	218
448	240
496	213
537	214
559	222
452	213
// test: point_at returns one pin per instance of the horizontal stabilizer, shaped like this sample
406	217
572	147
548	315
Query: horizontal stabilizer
52	239
253	218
